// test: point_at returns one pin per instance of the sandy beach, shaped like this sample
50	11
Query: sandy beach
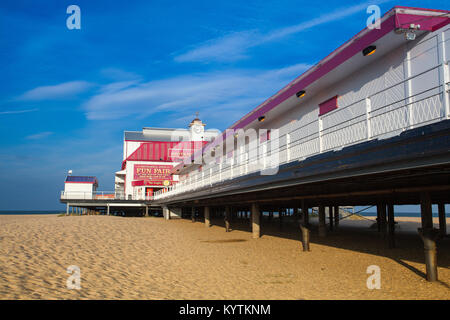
150	258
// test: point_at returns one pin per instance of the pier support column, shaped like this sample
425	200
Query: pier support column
227	218
381	213
304	227
442	220
429	236
107	209
256	228
305	214
207	218
378	219
336	216
280	216
330	217
391	225
322	226
193	214
67	209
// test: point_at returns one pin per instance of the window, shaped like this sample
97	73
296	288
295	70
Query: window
328	106
265	136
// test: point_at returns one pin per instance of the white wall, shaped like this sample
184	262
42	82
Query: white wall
78	190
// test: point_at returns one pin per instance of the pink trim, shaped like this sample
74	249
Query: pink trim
426	22
422	9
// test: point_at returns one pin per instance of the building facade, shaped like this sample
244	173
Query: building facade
150	154
80	187
380	83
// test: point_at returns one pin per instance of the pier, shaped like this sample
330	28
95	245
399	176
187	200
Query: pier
369	125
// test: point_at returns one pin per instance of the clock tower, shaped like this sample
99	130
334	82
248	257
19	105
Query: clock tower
197	129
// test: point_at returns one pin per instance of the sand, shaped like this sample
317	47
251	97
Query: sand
150	258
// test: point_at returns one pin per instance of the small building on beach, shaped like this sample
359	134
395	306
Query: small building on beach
80	187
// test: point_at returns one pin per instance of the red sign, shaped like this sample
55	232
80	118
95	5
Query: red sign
140	183
152	172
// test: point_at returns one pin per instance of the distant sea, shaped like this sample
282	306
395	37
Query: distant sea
30	211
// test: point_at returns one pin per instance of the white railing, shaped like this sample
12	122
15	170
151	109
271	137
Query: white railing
100	195
357	122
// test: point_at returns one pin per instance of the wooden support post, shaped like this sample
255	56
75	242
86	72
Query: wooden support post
381	208
336	216
305	214
193	214
227	218
429	236
391	225
280	216
304	227
330	217
207	218
322	226
426	211
378	218
442	219
256	227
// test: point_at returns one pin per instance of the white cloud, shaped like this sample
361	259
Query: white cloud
38	136
234	46
19	111
237	91
59	91
230	47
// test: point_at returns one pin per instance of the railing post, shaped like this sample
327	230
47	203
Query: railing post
408	89
368	124
231	166
288	148
444	76
320	134
241	159
264	155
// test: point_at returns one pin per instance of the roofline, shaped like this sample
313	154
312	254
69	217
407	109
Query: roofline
422	9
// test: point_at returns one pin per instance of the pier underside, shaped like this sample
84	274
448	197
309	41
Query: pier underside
411	168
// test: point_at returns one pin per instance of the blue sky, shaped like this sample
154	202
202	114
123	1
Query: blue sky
66	96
